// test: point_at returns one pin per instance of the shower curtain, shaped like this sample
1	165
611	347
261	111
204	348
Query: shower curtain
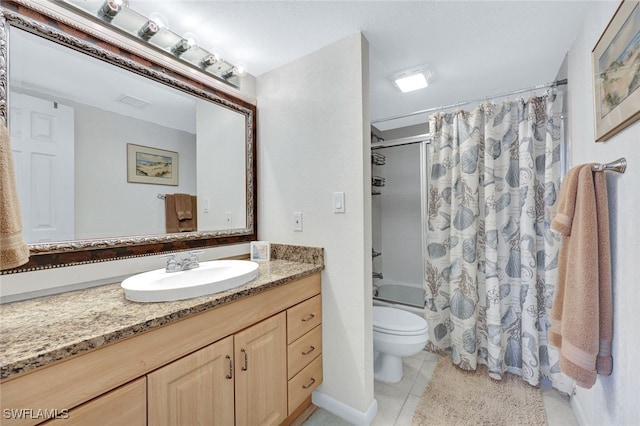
491	259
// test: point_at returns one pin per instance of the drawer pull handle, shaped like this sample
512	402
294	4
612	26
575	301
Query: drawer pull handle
310	383
230	375
309	318
311	349
246	360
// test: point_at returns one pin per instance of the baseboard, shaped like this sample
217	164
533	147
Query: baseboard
345	412
577	411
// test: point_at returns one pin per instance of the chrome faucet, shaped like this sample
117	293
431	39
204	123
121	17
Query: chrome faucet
184	264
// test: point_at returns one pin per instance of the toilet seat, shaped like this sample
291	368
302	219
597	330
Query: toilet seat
397	322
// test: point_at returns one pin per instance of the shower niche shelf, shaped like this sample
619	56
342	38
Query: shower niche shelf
378	159
378	181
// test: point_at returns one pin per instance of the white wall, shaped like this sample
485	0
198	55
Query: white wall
314	139
613	400
106	204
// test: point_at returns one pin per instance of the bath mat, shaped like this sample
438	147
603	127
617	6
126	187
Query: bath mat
455	397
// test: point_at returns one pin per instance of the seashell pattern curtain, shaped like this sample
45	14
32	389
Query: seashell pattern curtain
491	259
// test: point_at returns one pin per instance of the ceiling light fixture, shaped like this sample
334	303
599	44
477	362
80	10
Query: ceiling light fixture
412	79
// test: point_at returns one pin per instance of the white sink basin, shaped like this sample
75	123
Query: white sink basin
211	277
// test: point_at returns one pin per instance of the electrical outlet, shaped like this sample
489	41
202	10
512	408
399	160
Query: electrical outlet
297	221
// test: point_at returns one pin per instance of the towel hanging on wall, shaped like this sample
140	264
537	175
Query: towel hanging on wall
581	315
13	250
183	206
174	203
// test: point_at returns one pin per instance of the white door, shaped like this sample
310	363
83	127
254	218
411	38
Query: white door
42	142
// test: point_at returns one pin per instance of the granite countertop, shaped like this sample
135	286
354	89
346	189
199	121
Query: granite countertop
39	331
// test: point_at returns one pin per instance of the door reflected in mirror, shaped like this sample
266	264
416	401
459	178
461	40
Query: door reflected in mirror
71	117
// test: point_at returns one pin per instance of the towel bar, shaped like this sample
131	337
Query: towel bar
620	165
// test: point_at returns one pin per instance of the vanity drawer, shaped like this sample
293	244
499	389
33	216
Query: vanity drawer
126	405
304	350
305	382
303	317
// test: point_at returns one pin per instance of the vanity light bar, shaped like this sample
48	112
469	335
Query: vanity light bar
156	34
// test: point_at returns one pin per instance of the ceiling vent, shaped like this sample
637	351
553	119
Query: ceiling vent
132	101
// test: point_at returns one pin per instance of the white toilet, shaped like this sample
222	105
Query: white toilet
396	334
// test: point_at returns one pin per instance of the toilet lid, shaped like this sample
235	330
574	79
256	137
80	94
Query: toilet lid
397	321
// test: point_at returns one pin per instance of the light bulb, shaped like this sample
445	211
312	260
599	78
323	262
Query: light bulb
159	19
149	29
182	46
241	69
110	9
191	38
209	60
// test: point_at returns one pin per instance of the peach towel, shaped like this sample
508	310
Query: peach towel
581	315
183	206
173	223
13	250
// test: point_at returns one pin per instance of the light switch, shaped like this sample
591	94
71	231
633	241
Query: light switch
229	219
338	202
297	221
205	203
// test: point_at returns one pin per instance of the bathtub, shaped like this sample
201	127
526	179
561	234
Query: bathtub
399	295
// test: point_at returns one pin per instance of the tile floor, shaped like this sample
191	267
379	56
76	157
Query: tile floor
397	402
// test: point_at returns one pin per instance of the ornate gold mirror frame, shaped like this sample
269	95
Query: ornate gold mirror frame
97	42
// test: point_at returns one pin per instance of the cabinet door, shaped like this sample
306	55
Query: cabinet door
196	389
261	373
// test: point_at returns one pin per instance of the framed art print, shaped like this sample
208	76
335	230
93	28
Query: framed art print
151	165
616	76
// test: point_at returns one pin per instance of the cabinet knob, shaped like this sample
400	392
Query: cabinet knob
308	385
308	351
308	318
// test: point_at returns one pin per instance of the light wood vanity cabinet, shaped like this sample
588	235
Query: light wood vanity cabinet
200	388
163	376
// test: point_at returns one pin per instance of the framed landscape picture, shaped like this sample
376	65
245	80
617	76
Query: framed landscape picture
616	77
151	165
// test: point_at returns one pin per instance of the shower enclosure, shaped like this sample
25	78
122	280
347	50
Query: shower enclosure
398	199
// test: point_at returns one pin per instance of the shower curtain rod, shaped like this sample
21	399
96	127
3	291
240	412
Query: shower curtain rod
457	104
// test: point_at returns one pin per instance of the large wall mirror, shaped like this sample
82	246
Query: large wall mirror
102	139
